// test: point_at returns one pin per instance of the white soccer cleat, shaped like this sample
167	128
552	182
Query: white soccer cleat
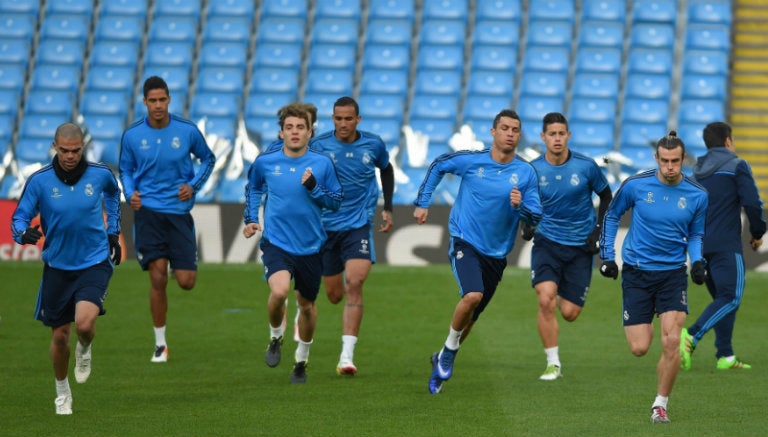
346	367
82	364
63	404
160	355
551	373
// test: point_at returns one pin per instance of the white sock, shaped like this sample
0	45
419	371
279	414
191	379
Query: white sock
62	387
661	401
730	359
553	357
302	351
296	319
276	332
452	342
348	343
160	336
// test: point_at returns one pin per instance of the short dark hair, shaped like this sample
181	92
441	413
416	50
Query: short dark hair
716	133
347	101
552	118
153	83
312	109
669	142
68	131
505	113
293	110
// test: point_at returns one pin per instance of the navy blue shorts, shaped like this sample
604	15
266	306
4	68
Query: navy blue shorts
570	267
475	272
341	246
650	292
61	290
305	270
170	236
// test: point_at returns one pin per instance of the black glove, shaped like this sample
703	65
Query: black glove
31	235
526	230
699	272
609	269
593	241
115	252
310	183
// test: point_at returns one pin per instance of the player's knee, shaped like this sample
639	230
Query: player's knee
638	350
571	315
186	284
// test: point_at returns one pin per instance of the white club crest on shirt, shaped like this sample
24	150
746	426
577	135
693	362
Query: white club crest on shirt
514	179
366	158
575	180
89	190
176	143
459	255
682	203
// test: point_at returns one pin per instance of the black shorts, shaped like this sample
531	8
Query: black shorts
341	246
170	236
304	269
61	290
650	292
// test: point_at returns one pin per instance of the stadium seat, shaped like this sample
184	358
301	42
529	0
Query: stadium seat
595	85
168	53
691	134
286	55
214	104
437	31
46	101
177	78
493	57
434	106
602	34
444	9
707	37
9	101
641	134
231	190
648	86
543	58
481	127
384	81
338	9
389	31
593	139
14	51
35	125
65	52
285	9
106	151
220	79
65	26
656	11
652	35
324	103
104	126
392	9
700	111
224	54
551	10
29	150
221	126
20	26
335	31
490	82
645	110
598	61
104	102
231	8
117	53
178	28
507	10
604	10
329	80
394	56
119	27
124	8
705	62
550	33
189	8
492	31
387	128
438	82
704	86
642	157
478	107
537	83
12	76
7	123
381	105
535	107
437	129
20	7
710	11
657	61
272	79
592	109
438	57
56	77
108	77
265	104
330	55
280	29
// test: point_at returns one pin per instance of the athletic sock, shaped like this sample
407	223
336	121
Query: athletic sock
302	351
553	356
453	340
276	332
348	343
160	336
661	401
62	387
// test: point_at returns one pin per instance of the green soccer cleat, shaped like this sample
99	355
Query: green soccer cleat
686	349
551	373
735	363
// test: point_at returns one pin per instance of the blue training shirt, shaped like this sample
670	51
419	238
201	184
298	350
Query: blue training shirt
482	214
156	162
667	220
292	217
566	197
71	217
356	164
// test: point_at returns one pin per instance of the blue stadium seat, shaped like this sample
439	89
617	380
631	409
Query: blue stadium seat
389	31
393	56
384	81
490	82
329	55
177	78
124	8
657	61
20	7
595	85
221	126
56	77
705	62
12	76
104	126
286	55
442	32
590	138
220	79
324	103
119	27
227	29
66	52
65	26
338	9
439	130
481	126
598	61
492	31
381	105
387	128
543	58
440	56
606	10
641	134
330	80
478	107
434	106
648	86
645	110
231	190
656	11
652	35
214	104
111	52
704	86
9	101
30	150
43	126
438	82
691	134
266	104
397	9
710	11
231	8
285	9
275	79
278	29
21	26
592	109
543	83
168	53
551	10
7	123
104	102
189	8
700	111
602	34
84	7
224	54
46	101
508	10
707	37
14	51
179	28
550	33
535	107
106	151
444	9
108	77
335	31
642	156
494	57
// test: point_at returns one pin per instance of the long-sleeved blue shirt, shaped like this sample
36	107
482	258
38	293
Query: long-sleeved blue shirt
71	217
292	216
482	214
156	162
667	221
731	186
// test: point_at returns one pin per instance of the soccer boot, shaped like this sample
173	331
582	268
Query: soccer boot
273	354
734	363
686	349
551	373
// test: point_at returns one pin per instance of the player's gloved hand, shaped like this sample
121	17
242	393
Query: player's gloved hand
698	272
609	269
593	241
115	251
31	235
310	183
526	230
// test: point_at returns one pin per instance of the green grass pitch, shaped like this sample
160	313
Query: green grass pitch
216	382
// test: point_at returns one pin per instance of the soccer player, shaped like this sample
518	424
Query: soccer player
497	190
731	186
349	252
299	183
71	195
160	182
668	216
566	239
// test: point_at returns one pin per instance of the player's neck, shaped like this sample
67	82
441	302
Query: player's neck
559	158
